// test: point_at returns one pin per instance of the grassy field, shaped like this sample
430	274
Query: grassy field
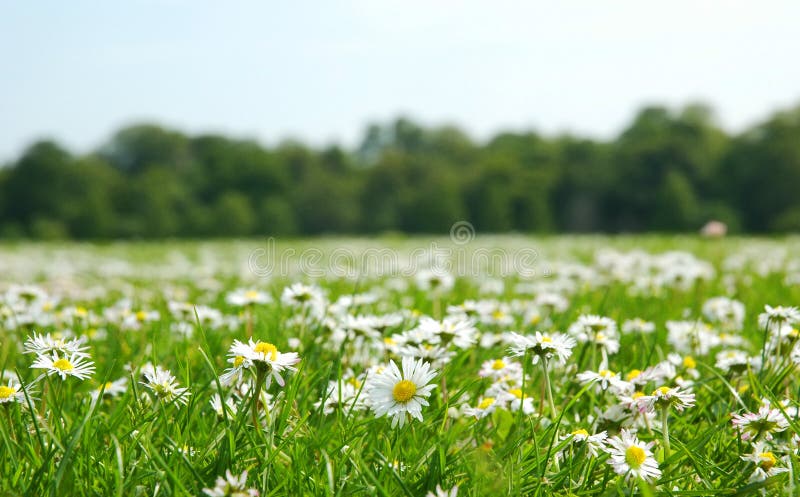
497	365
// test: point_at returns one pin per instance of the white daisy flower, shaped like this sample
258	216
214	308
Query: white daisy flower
516	400
727	312
434	280
460	332
765	422
665	397
498	368
45	344
606	380
231	486
242	297
440	492
766	463
299	295
218	405
344	395
733	361
162	384
778	316
264	354
112	388
398	394
485	406
542	345
638	325
11	392
632	458
594	443
67	365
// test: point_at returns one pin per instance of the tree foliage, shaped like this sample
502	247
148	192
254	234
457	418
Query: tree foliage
669	170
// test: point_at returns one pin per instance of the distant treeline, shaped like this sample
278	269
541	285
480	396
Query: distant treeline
668	171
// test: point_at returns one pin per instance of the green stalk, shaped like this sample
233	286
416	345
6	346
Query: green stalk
665	431
261	374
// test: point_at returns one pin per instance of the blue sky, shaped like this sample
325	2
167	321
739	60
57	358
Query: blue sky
319	71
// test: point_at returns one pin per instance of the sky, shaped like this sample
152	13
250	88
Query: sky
76	71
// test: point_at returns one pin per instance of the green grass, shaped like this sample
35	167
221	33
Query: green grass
61	442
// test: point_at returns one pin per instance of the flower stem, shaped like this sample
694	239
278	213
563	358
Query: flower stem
665	431
549	389
260	377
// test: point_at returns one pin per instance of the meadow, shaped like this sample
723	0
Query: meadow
465	366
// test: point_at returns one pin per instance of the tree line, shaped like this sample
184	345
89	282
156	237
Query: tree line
670	170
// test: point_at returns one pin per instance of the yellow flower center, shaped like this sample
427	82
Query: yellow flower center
7	392
404	390
354	381
547	339
600	337
141	316
606	373
63	365
498	364
633	374
689	362
580	432
498	314
252	294
635	456
486	403
237	361
81	311
535	319
267	349
768	460
516	392
661	391
389	341
637	395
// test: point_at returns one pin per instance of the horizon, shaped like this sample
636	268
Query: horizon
86	69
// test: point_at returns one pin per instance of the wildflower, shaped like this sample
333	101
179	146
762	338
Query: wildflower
666	397
727	312
632	458
440	492
517	400
764	422
112	388
605	380
598	330
67	365
222	408
344	394
775	317
733	361
264	355
434	280
302	296
766	463
241	298
231	486
162	384
485	406
542	345
594	443
397	393
11	392
45	344
638	325
460	332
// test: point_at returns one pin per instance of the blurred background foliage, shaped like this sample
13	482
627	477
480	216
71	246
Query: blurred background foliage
668	171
